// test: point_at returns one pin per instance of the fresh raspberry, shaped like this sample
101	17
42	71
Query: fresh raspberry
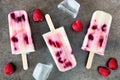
112	63
38	15
105	72
9	69
77	26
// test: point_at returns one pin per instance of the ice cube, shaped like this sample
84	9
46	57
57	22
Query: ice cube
70	6
42	71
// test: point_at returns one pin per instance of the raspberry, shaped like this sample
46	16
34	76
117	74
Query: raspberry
112	63
77	26
9	69
38	15
104	71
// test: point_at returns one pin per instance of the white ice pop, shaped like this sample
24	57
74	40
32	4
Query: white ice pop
97	35
20	35
59	47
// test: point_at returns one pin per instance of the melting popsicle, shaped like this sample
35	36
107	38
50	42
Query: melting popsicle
96	38
59	47
20	35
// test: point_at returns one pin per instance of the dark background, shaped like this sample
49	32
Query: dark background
59	18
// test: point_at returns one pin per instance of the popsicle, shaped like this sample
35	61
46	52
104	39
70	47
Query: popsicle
97	34
59	47
20	35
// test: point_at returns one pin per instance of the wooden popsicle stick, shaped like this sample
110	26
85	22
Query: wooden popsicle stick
49	21
89	61
24	60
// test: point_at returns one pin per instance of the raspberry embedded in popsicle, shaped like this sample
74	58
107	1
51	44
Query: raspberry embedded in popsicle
50	42
26	38
72	52
17	18
23	17
60	60
14	39
87	45
101	41
90	37
68	64
104	26
94	27
54	43
12	15
58	53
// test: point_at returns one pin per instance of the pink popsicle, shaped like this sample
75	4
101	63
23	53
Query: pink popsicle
59	47
20	34
96	38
